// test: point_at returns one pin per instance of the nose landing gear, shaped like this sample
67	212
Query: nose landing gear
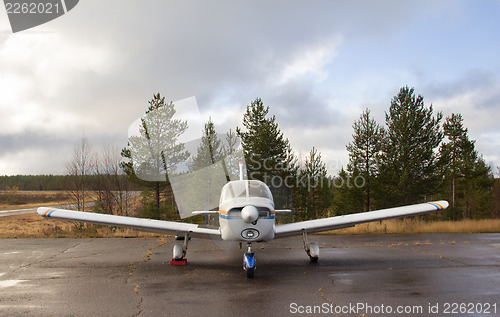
249	261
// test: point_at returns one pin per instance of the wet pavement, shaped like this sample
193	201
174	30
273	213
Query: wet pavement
374	275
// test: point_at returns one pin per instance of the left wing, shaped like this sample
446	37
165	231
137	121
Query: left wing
140	224
339	222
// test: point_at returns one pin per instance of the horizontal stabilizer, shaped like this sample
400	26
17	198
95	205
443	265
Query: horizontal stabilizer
204	212
282	211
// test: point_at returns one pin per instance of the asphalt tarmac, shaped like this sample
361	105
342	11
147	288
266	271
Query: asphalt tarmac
5	213
374	275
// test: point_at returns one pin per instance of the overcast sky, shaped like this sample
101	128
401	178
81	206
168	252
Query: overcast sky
317	64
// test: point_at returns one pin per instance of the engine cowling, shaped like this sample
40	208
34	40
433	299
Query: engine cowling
249	214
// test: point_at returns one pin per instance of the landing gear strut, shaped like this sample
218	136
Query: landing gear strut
249	261
312	249
180	251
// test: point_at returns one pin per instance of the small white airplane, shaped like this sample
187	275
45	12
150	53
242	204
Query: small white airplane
246	214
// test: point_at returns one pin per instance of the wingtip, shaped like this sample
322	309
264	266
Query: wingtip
445	204
43	211
440	205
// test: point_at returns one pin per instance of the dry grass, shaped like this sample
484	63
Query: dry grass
35	226
18	199
420	226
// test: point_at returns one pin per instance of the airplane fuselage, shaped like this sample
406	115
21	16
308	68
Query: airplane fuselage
246	212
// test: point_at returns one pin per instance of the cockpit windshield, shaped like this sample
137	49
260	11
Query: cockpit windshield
238	189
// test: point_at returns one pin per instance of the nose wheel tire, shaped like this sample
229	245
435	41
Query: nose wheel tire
249	262
250	273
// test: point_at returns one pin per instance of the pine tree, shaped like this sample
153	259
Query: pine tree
347	198
264	145
465	171
155	152
452	152
267	153
210	149
479	197
409	160
364	152
315	193
200	189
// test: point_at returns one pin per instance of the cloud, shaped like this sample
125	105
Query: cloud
318	65
473	79
310	61
475	95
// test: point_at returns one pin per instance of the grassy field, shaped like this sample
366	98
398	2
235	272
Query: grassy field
16	199
34	226
415	225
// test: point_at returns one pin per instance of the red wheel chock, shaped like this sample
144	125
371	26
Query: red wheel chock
178	262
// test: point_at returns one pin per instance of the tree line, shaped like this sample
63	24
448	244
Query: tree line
416	156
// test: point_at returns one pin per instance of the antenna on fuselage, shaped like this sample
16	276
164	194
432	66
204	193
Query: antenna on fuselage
241	171
247	189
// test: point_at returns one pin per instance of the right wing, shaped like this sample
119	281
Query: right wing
140	224
340	222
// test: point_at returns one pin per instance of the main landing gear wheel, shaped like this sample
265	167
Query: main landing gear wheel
313	252
312	249
249	262
179	252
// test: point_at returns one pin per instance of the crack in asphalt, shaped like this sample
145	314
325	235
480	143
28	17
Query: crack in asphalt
322	295
132	268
